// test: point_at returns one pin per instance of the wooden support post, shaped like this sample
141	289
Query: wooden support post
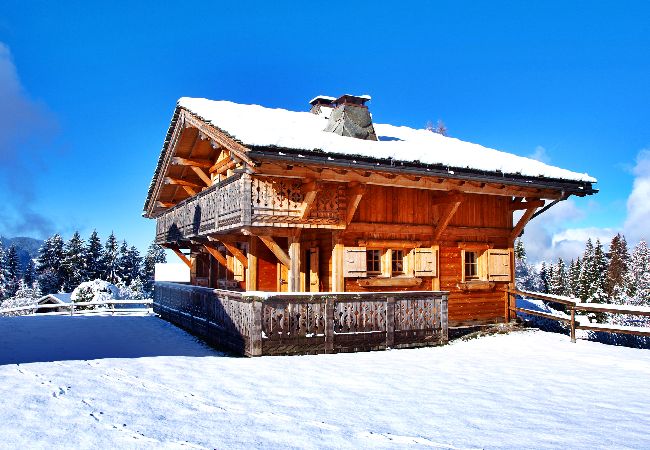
311	190
573	324
516	231
256	328
206	179
390	322
445	218
338	282
294	267
184	258
251	270
329	325
355	194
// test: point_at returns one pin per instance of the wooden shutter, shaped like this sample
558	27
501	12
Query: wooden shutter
498	265
354	262
426	262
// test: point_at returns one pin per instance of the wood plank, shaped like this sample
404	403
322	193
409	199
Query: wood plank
190	191
311	190
525	205
294	267
192	162
181	255
206	179
221	166
162	204
251	269
216	254
392	243
276	250
338	281
392	282
180	182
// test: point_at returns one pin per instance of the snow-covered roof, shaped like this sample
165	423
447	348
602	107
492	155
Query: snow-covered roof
258	126
61	297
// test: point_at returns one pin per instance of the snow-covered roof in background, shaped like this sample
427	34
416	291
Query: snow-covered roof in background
255	125
61	297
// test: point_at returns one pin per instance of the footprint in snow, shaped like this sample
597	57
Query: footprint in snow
58	393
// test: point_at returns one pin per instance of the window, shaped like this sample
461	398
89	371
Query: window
471	265
397	262
373	261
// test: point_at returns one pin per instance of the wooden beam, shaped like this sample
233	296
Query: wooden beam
217	255
206	179
221	166
162	204
191	192
182	256
452	197
294	268
430	183
179	182
191	162
311	190
338	281
230	246
516	231
251	270
355	194
445	218
276	250
392	243
526	205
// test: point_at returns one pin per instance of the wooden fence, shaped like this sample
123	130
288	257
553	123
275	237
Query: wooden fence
572	305
258	323
72	308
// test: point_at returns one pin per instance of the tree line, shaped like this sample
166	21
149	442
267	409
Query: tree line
62	266
616	276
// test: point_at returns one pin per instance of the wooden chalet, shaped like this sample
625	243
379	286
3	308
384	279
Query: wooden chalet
257	200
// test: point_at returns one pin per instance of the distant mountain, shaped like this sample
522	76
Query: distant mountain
27	248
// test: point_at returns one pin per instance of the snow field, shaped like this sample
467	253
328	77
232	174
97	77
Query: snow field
139	382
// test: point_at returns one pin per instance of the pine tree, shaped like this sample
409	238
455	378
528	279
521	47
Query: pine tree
544	281
586	271
111	255
3	273
130	265
639	275
48	267
74	263
29	276
574	278
559	279
616	281
95	268
12	271
155	254
123	264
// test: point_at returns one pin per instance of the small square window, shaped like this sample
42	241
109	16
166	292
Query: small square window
471	265
373	261
397	262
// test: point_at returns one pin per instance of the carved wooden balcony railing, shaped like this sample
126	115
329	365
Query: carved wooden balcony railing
245	201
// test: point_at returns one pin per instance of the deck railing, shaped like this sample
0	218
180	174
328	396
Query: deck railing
258	323
72	308
573	305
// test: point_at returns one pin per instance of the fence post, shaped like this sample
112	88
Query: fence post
444	318
71	308
329	325
390	322
256	328
573	324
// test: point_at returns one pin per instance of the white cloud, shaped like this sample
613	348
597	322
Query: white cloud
637	223
551	235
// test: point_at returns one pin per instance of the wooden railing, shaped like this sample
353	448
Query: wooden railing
257	323
72	308
572	305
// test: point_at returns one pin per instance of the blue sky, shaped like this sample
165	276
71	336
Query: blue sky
87	91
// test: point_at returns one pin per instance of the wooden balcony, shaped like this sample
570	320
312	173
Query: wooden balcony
242	200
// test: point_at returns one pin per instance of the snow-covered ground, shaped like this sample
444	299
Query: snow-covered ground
134	382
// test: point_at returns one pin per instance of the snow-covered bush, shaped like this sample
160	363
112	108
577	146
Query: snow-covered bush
18	302
95	291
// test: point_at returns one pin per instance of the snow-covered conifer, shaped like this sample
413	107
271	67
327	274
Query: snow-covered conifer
155	254
29	275
48	266
573	287
639	274
94	258
587	270
13	275
559	279
74	262
544	279
111	257
3	273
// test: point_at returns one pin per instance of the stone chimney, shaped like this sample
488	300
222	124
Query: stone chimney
350	117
